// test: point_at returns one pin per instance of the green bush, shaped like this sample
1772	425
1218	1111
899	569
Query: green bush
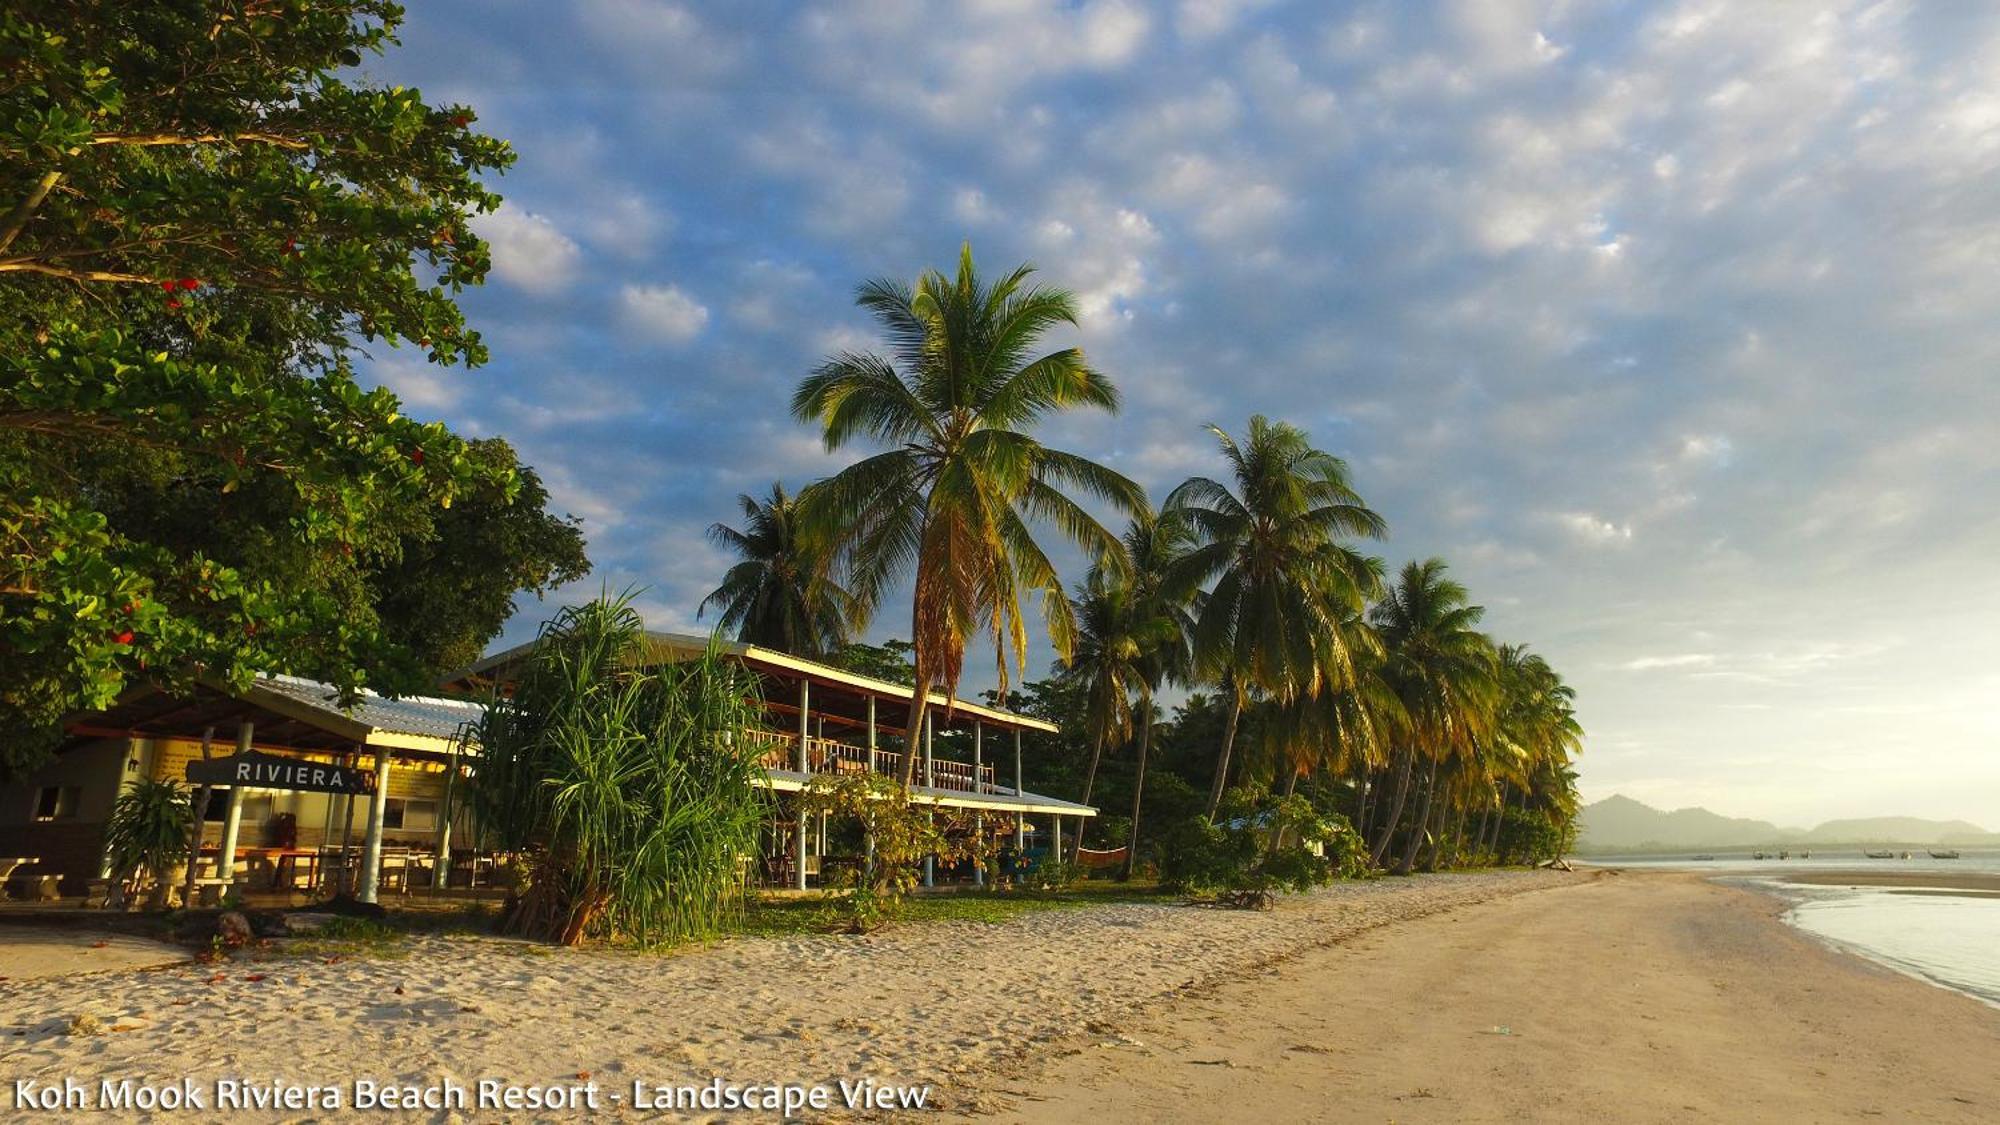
1529	836
1258	846
148	833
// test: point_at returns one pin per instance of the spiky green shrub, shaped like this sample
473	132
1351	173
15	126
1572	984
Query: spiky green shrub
628	790
148	833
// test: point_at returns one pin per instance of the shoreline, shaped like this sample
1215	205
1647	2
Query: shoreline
1652	996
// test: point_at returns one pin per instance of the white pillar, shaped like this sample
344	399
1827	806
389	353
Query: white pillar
871	734
978	787
441	863
805	767
1020	819
232	822
1055	851
371	844
930	861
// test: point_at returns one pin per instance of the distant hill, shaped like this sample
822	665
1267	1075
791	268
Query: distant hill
1622	824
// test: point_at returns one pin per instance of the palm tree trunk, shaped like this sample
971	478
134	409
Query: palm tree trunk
1089	783
1222	761
1456	855
1479	834
1417	830
1364	800
1387	828
1138	788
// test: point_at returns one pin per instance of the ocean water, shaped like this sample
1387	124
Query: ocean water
1947	936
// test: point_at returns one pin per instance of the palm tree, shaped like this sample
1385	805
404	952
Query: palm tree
1535	738
1163	596
1273	550
952	497
1105	662
1443	672
781	595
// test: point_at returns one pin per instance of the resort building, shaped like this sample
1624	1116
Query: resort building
307	795
819	719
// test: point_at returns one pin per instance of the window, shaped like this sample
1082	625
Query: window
409	814
57	802
257	810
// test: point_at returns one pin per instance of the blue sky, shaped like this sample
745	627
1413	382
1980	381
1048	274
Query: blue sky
1671	326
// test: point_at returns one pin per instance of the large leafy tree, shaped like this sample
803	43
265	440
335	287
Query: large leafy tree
1444	672
782	594
952	496
205	487
1275	547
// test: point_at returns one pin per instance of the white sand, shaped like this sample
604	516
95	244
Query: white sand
943	1004
33	952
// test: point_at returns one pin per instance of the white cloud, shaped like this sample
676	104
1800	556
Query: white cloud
1595	531
528	250
662	312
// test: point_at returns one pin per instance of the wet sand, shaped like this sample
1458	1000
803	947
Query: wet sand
1928	880
1633	997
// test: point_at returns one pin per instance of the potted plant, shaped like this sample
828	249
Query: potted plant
147	836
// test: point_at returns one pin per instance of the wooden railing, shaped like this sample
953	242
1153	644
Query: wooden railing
826	755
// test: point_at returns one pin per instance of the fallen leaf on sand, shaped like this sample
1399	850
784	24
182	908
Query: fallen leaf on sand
253	978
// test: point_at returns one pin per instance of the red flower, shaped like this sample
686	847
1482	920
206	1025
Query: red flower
124	637
190	283
173	302
460	120
417	456
167	285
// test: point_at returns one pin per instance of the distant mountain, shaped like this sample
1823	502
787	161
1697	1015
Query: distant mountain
1622	824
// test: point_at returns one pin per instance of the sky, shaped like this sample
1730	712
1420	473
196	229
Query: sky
1671	327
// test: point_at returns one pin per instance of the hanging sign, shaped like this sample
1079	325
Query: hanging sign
254	770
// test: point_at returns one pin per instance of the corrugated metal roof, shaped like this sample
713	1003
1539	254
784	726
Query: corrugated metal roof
420	715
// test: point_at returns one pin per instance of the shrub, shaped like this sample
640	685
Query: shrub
148	834
629	790
899	832
1257	847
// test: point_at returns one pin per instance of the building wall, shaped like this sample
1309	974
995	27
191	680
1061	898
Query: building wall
72	845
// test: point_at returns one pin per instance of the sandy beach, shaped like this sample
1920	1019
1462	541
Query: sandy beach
948	1005
1505	996
1651	997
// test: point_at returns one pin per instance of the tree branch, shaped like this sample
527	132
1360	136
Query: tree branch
154	140
77	275
10	227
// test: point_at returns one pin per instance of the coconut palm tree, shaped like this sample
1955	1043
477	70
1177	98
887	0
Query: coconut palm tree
951	498
1273	549
1443	670
1105	662
782	594
1163	596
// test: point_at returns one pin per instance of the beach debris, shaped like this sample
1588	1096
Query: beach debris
1308	1049
85	1024
1500	1029
253	978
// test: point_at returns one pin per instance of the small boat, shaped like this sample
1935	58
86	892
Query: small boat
1709	857
1906	855
1949	853
1784	855
1805	855
1758	855
1880	855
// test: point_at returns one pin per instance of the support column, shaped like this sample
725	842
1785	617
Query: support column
805	767
1055	852
930	861
441	863
232	822
978	817
371	844
1020	819
871	734
200	819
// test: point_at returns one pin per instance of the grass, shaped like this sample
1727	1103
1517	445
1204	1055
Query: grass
819	914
